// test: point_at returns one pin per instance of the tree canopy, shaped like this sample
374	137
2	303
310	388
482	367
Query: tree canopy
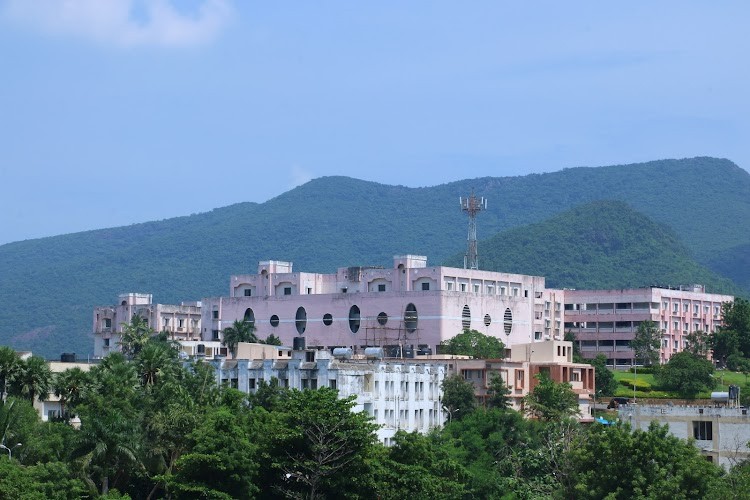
475	344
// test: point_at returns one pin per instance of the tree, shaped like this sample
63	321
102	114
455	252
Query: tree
735	317
550	400
240	331
698	343
475	344
134	336
323	445
10	363
687	374
33	379
647	342
69	387
458	397
498	392
604	378
570	336
614	463
724	344
271	340
154	361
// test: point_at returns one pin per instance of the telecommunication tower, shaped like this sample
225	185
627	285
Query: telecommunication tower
472	206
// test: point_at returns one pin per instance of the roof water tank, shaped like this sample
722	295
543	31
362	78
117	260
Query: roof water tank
374	353
342	352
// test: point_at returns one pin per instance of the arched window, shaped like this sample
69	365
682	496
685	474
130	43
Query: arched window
507	321
410	318
300	320
466	317
249	317
354	319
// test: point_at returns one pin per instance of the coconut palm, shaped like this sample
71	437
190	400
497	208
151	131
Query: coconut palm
134	336
33	379
69	387
10	363
155	360
240	331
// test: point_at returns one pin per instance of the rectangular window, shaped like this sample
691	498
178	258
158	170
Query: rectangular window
502	290
215	335
463	287
215	314
309	291
313	384
675	307
251	383
537	335
703	431
248	292
107	323
515	292
332	384
476	288
449	286
287	290
181	323
381	288
106	342
425	286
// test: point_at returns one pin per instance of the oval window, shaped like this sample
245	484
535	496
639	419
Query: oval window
382	319
274	321
410	318
487	320
466	318
300	320
354	319
249	317
508	321
327	319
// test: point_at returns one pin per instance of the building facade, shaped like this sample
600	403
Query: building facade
397	394
605	321
519	371
721	433
181	322
410	306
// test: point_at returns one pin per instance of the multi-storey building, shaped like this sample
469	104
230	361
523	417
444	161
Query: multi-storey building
519	370
605	321
398	394
410	306
181	322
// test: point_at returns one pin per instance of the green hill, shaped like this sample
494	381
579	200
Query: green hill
49	286
604	244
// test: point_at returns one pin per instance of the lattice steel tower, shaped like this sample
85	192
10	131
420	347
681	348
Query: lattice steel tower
472	206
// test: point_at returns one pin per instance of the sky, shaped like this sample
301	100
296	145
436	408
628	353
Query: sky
114	112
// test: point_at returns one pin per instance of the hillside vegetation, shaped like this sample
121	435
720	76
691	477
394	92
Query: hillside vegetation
50	285
603	244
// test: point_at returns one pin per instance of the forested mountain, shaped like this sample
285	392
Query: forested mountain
603	244
49	286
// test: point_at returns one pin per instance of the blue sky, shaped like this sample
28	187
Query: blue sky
123	111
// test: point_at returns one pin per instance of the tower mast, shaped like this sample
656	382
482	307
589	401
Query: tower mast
472	206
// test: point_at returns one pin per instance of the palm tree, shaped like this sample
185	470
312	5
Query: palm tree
134	336
33	379
69	387
154	360
240	331
10	363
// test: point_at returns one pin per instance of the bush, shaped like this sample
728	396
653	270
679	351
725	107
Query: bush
645	370
640	385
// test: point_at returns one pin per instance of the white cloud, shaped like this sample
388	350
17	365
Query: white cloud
123	22
298	176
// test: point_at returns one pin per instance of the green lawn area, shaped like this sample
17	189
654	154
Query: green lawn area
646	386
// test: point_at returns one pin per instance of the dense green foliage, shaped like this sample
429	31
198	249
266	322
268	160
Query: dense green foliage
647	342
686	374
178	435
49	286
605	382
550	400
475	344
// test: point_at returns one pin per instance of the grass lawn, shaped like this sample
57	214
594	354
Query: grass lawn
646	386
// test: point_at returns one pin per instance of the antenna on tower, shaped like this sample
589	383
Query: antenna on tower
472	206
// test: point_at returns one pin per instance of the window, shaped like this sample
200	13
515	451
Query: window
180	323
449	286
332	384
466	318
309	291
382	319
463	287
248	292
502	290
537	335
410	318
106	342
487	320
381	288
515	292
476	288
425	286
251	383
675	307
215	334
343	290
703	431
215	314
107	323
327	319
287	290
300	320
354	319
274	321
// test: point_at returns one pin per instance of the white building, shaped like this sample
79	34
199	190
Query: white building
398	394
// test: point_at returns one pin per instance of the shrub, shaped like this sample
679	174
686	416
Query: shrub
640	385
645	370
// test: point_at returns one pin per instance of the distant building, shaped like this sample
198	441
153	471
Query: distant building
605	321
555	358
49	408
180	322
721	433
407	309
397	394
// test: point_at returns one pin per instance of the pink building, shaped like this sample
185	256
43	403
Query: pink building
410	306
605	321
